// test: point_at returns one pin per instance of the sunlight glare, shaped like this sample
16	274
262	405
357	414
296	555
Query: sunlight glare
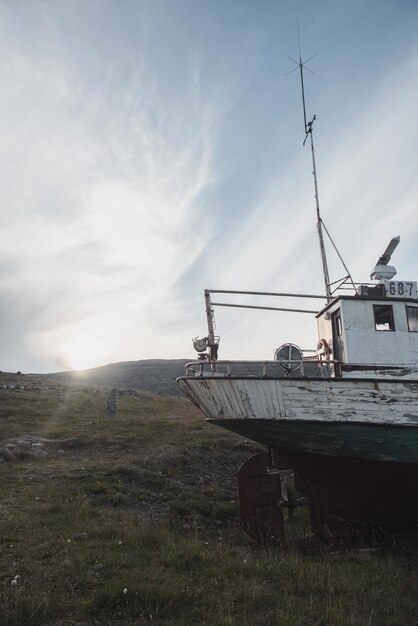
85	352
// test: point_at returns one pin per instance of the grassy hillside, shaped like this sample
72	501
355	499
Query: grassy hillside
156	375
132	519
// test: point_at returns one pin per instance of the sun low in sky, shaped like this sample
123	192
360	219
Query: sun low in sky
151	149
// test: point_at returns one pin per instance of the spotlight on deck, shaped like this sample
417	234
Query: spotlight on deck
289	357
206	349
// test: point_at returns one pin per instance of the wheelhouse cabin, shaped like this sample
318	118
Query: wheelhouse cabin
377	327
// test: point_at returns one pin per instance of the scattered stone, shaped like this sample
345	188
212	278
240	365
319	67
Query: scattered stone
67	444
61	452
111	403
40	454
6	454
39	443
23	443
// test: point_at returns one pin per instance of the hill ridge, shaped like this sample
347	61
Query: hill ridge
155	375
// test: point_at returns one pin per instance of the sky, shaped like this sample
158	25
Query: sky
154	148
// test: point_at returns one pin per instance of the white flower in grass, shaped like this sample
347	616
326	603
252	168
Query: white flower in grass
125	590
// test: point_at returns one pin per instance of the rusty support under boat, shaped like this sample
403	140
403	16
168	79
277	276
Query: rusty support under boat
348	497
259	487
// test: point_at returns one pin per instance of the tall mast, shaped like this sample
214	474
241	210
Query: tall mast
308	126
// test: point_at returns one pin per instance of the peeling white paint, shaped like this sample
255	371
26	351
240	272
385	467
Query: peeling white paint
343	400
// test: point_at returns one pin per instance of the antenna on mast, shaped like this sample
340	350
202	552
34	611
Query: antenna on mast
308	127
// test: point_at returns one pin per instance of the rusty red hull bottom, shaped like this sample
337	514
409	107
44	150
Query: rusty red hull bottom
348	496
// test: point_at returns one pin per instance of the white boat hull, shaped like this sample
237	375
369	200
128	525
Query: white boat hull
328	400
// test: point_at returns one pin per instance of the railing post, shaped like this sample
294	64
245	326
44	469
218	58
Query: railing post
211	329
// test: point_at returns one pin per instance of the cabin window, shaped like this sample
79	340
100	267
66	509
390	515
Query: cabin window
412	317
338	325
383	317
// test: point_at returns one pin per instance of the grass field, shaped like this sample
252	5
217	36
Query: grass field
132	519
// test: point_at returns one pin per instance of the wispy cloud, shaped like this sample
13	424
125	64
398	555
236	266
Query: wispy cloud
102	197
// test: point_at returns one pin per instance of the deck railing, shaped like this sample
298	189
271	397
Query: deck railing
294	368
308	368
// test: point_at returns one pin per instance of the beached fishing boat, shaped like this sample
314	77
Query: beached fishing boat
344	417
